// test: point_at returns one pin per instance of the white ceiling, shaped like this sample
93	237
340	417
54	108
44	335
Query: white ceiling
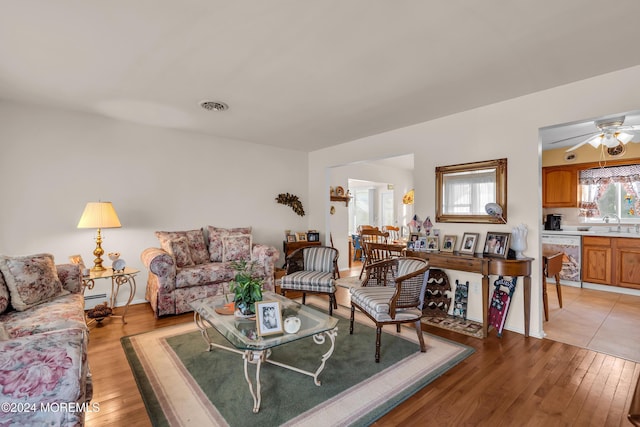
303	74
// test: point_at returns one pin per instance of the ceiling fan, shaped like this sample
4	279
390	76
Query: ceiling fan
611	133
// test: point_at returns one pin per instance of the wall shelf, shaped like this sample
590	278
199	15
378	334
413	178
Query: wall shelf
344	199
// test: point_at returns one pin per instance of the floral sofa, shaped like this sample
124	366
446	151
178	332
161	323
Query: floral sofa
44	373
195	264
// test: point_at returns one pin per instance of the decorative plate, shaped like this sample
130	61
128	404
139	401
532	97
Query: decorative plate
339	191
226	309
119	264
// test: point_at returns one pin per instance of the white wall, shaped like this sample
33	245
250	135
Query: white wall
508	129
53	162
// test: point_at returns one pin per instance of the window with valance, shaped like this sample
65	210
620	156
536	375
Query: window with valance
610	190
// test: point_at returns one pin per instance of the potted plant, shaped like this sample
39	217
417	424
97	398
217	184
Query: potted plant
246	288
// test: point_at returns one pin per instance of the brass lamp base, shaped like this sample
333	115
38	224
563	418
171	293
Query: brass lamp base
98	252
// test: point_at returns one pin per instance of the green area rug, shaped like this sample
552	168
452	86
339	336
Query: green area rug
183	384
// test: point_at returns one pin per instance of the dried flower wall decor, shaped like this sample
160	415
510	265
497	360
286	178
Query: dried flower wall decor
291	200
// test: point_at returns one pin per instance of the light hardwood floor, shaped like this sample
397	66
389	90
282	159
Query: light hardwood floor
509	381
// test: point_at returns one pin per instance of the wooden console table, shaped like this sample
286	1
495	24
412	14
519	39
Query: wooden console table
486	266
289	247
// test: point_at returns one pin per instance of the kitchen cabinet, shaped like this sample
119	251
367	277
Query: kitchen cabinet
628	263
559	187
596	260
611	261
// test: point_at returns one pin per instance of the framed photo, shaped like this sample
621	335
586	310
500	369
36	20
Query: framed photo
432	243
496	244
469	242
313	236
449	243
414	241
291	238
268	318
77	259
301	237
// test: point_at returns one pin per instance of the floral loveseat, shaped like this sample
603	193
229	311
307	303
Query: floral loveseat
44	374
197	263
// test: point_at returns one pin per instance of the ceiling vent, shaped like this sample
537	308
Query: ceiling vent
214	106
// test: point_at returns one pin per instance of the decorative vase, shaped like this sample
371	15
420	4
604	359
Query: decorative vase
244	309
519	240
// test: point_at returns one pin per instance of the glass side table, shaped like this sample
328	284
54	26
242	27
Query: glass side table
118	279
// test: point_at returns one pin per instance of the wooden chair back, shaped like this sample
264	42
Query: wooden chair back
381	251
373	235
394	232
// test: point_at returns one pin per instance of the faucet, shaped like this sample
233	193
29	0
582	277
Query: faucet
607	217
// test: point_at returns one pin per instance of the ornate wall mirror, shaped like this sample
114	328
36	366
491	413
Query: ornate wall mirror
462	191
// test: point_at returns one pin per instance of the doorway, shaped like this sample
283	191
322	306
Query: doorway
590	318
391	178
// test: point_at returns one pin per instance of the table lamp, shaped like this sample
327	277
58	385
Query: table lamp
99	215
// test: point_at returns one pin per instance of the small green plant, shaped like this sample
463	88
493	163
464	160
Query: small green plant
247	288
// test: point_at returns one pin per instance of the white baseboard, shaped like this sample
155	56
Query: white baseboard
609	288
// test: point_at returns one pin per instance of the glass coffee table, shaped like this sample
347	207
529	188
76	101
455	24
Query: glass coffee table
256	350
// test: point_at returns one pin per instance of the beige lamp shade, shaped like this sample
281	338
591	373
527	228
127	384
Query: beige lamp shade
99	215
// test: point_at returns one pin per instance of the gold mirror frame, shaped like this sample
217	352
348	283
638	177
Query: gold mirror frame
500	166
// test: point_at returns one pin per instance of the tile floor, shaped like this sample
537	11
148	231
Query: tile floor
601	321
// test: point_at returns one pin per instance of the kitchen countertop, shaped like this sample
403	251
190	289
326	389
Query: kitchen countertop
595	231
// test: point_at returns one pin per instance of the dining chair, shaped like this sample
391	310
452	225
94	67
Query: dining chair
394	232
551	267
370	235
392	293
358	253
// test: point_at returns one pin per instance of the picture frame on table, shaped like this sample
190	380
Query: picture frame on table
432	244
313	236
496	244
414	241
421	244
301	237
469	243
449	243
291	238
268	318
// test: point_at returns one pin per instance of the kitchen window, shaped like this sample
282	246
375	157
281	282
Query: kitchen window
610	190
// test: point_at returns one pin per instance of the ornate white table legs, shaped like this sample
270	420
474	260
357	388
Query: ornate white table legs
258	357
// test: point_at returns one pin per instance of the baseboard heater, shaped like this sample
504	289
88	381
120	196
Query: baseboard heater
91	301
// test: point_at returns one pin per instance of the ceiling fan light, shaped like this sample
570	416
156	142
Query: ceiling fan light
596	141
624	137
610	140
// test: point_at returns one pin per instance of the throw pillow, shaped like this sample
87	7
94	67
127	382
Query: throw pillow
215	239
32	280
197	245
236	247
179	248
4	295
